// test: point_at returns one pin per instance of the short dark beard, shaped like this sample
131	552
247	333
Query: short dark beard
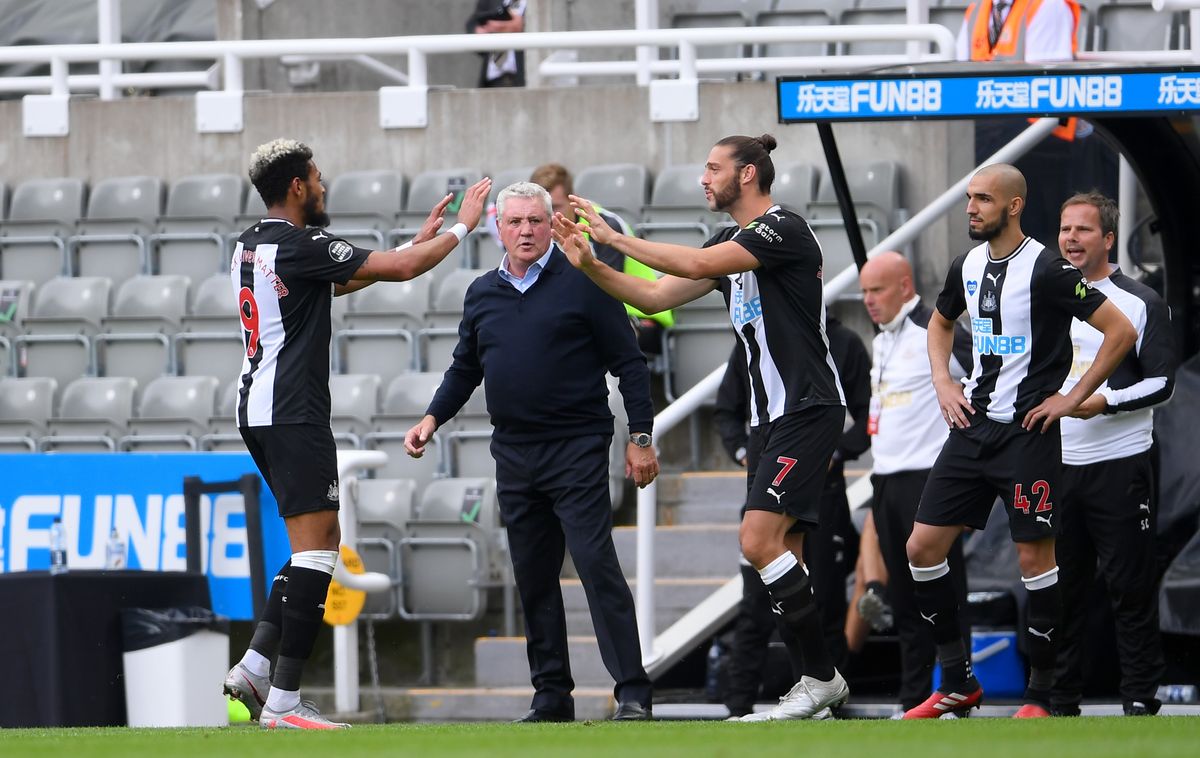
987	234
313	217
723	201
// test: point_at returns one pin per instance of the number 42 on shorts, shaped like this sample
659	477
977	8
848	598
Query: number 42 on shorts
1041	490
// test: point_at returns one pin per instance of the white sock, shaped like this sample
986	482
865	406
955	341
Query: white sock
282	700
256	662
777	568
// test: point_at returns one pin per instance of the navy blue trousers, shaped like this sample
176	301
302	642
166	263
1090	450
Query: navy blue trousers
553	497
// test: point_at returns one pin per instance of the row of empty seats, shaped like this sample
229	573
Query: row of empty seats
180	413
1122	25
123	227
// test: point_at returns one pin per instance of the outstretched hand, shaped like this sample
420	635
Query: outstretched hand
474	202
569	237
416	438
433	222
597	227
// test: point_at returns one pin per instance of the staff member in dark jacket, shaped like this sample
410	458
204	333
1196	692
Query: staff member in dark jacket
542	335
828	552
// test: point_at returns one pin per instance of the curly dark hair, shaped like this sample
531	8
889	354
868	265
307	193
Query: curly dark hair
275	164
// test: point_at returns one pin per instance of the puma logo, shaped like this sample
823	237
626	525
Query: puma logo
1144	507
776	608
777	495
320	236
995	279
1046	519
928	618
1044	635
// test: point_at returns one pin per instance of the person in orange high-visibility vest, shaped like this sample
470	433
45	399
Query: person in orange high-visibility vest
1036	31
1030	31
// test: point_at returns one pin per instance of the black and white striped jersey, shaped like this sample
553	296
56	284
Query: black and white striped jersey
1021	308
778	311
283	278
1144	378
909	429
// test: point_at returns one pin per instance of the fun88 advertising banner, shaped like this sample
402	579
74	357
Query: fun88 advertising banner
141	496
959	95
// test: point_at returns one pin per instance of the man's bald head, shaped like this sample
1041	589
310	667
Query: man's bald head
890	264
887	284
1006	178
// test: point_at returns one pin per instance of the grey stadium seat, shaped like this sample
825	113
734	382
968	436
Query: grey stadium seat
618	187
362	206
875	15
1136	26
426	191
385	506
717	13
26	405
42	215
211	340
136	338
796	186
435	343
15	297
797	13
172	414
389	305
92	416
121	215
66	313
449	556
354	402
223	432
191	238
699	341
214	306
678	212
404	403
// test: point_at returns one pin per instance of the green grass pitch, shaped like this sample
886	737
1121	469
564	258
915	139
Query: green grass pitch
971	738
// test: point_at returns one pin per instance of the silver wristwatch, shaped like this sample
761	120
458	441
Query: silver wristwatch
641	439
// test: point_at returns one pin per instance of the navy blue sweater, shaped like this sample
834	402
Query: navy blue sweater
542	356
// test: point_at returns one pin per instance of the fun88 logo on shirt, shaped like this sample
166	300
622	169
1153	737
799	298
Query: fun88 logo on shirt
987	343
745	311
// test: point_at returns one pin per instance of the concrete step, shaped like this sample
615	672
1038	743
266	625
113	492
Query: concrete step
502	662
673	597
704	497
692	550
450	704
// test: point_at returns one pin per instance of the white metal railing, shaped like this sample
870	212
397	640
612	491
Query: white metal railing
406	106
418	48
704	390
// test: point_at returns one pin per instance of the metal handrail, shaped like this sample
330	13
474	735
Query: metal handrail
232	53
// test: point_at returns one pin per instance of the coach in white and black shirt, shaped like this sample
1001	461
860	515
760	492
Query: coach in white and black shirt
907	433
1108	505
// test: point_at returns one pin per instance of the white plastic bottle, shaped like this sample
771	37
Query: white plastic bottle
114	551
58	547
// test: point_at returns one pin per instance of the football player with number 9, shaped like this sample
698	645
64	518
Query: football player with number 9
285	271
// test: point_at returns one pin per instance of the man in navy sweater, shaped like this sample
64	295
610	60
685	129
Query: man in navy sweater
542	335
